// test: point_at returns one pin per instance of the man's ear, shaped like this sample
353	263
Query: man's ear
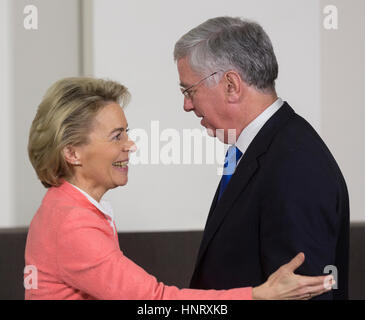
233	86
71	156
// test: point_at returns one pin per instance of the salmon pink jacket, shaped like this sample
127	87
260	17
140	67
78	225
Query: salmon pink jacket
76	254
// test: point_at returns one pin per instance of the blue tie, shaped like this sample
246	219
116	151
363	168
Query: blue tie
230	162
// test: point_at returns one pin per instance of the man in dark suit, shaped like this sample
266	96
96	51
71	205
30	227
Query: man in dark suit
286	193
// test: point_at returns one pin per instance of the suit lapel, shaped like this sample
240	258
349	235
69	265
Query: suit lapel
245	170
219	210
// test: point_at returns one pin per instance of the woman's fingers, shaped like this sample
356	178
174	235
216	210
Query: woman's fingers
296	262
325	281
315	291
310	293
285	284
318	286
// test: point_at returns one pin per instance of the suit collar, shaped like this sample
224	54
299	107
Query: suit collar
244	171
249	133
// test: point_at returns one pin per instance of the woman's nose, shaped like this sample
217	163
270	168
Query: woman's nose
129	146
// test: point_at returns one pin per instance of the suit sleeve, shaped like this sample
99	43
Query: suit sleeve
89	259
299	214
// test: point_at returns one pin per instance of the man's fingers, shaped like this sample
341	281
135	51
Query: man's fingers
296	262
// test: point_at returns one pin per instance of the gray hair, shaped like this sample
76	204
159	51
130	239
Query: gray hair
225	43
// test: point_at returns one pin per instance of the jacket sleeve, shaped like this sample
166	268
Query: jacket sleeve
299	214
89	259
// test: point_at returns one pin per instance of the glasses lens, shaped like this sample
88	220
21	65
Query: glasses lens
185	92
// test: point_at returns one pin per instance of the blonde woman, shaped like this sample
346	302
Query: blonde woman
79	148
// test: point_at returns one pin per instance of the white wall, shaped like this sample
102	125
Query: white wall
7	218
320	74
31	60
343	107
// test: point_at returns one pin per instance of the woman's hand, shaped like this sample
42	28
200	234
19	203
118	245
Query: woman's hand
285	285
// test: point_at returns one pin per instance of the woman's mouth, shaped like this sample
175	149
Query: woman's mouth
121	165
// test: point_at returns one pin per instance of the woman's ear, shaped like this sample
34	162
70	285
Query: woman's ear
71	156
233	88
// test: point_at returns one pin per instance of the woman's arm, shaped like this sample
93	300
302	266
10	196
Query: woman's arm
90	260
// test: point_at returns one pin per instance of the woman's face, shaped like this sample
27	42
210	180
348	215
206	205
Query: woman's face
103	162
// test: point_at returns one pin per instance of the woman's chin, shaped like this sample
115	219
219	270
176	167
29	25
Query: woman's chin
118	182
123	182
121	177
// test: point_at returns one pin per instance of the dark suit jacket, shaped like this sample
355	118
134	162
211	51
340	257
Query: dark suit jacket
287	195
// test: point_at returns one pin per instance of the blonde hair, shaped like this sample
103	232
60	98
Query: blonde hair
65	117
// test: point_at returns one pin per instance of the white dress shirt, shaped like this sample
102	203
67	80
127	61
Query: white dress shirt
103	206
250	132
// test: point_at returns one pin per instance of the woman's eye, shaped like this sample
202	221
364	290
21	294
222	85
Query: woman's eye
117	137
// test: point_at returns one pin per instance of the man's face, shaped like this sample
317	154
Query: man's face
208	103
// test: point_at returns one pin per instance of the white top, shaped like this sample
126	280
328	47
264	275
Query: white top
104	206
250	132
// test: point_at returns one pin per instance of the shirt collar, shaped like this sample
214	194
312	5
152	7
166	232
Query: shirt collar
249	133
103	206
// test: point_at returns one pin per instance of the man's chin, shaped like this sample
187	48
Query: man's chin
211	132
219	134
229	138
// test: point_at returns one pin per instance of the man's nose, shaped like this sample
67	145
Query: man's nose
188	105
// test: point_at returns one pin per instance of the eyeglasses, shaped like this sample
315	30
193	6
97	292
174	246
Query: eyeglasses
188	93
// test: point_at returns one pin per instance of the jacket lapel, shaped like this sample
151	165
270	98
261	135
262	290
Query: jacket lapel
245	170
